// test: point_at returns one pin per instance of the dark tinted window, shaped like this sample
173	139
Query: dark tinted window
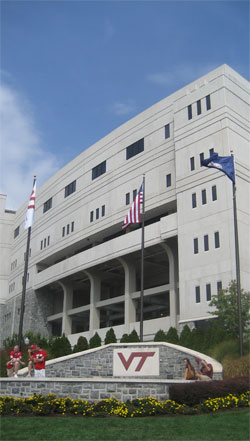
135	148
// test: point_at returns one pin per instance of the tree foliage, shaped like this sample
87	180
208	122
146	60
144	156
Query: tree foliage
226	304
60	347
95	341
81	345
110	337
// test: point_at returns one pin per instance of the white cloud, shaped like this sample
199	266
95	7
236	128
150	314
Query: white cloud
22	152
180	74
124	108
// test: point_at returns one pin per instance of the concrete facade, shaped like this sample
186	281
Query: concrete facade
84	271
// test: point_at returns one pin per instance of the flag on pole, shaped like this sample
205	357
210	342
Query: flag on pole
221	163
29	219
134	215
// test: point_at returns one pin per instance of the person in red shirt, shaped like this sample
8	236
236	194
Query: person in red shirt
39	359
206	371
31	353
14	362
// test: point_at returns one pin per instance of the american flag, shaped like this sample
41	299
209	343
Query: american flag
29	219
133	215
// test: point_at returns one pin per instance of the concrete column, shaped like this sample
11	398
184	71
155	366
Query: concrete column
67	304
129	287
95	295
173	293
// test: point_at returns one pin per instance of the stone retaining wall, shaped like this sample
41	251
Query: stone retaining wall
87	388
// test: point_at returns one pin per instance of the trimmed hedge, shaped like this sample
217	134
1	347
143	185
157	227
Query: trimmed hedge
194	393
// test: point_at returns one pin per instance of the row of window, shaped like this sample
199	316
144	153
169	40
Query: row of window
7	317
206	242
45	242
69	228
199	107
208	292
12	287
13	265
192	159
204	196
97	213
16	231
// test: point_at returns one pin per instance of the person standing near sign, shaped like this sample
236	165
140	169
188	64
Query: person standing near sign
39	359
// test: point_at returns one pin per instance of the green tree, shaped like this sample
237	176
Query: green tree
186	337
110	337
95	341
125	338
60	347
133	337
172	336
160	336
226	304
81	345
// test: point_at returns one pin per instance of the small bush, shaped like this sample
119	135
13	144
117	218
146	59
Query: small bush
228	348
186	337
95	341
160	336
124	338
196	392
133	337
110	337
81	345
172	336
60	347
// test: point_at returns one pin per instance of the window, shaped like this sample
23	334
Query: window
198	107
16	231
135	149
69	189
167	131
47	205
219	286
190	111
197	294
214	193
134	194
41	245
216	239
48	241
206	243
211	151
196	247
208	292
201	157
194	202
103	210
168	180
192	164
45	242
208	102
72	226
204	197
63	231
97	213
67	228
99	170
127	198
91	216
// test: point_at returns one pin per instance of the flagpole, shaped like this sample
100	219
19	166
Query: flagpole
24	284
142	262
237	262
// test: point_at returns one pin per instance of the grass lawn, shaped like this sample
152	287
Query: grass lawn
223	426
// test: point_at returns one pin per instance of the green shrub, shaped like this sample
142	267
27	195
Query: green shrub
227	348
110	337
186	337
160	336
95	341
124	339
172	336
133	337
81	345
197	339
236	368
60	347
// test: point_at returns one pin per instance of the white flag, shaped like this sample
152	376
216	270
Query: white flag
29	219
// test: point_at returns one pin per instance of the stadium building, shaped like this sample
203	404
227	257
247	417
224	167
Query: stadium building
84	270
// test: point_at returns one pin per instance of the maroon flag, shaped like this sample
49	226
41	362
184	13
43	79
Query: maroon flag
134	215
29	219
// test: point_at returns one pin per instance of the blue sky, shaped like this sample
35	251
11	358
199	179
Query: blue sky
72	71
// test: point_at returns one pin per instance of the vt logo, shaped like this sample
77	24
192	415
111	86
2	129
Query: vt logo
141	355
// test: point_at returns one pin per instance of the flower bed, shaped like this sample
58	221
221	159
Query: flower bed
50	405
